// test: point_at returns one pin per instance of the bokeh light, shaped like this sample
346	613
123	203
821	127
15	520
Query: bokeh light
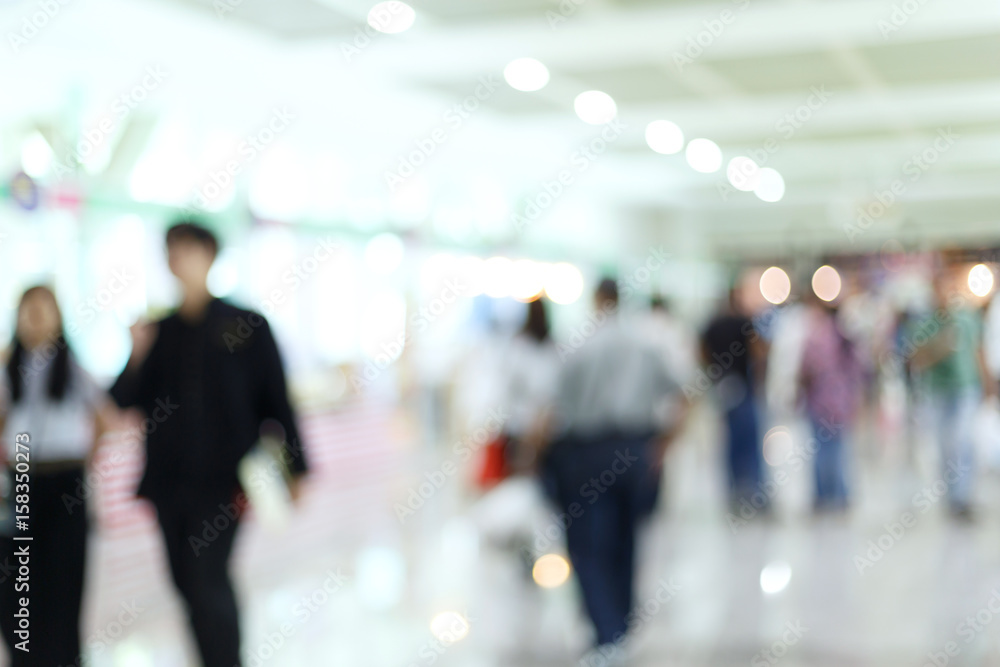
527	280
775	285
777	445
595	107
664	137
980	280
498	277
526	74
551	571
563	283
826	283
775	577
704	155
449	627
391	17
743	173
770	186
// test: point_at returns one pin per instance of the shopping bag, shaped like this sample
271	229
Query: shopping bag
493	463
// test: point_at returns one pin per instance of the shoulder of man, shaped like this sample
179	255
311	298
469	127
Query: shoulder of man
237	328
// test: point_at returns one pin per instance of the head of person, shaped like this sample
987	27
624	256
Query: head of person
658	304
945	283
734	300
39	328
606	295
536	325
191	250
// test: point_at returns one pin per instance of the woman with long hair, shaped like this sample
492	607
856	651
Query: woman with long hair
51	415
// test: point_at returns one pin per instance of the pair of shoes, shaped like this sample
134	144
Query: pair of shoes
605	655
963	513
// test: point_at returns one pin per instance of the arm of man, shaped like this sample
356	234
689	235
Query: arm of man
274	403
135	383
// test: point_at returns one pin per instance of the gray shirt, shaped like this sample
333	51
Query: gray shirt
614	381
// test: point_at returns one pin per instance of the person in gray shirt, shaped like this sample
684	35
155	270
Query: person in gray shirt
612	434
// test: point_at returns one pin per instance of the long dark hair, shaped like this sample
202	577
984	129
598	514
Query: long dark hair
17	366
537	323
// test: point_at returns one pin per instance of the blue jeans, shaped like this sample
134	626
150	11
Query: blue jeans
743	452
829	465
952	416
602	485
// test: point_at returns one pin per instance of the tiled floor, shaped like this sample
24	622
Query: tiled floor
931	584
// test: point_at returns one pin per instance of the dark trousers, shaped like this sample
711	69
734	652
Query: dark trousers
57	553
198	531
602	487
743	453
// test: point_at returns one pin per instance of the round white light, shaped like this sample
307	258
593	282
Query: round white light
551	571
384	253
497	274
704	155
980	280
564	283
775	285
777	445
775	577
526	74
36	155
595	107
664	137
771	187
449	627
743	173
473	271
527	280
391	17
826	283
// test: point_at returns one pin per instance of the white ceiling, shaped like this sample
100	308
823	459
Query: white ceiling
890	94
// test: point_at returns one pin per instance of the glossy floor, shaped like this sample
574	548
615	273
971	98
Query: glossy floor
351	584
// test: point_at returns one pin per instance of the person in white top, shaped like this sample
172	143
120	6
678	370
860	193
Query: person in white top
51	415
530	377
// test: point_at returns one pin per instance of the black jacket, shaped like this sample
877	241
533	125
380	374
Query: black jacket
206	389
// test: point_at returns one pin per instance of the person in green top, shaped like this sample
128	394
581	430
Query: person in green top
947	356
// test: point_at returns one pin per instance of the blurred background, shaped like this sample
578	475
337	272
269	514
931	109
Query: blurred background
392	184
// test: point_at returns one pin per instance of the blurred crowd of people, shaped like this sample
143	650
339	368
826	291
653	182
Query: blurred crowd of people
589	420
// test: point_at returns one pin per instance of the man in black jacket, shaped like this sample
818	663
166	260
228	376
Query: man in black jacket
207	377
